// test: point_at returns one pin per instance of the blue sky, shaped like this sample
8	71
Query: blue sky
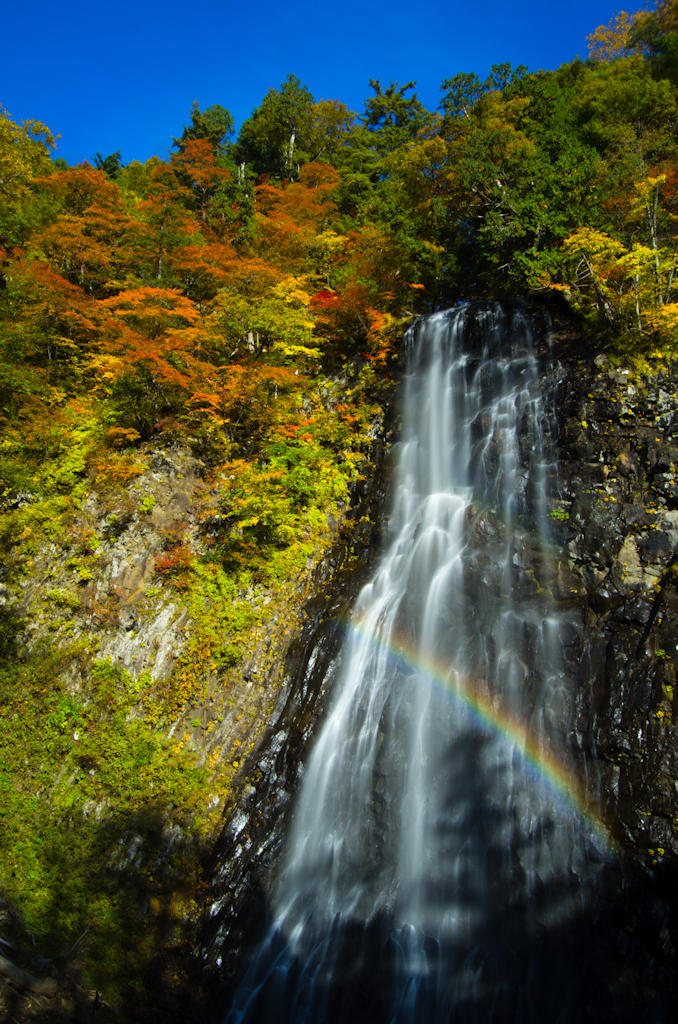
123	75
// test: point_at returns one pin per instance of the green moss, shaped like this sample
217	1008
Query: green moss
147	504
86	792
63	598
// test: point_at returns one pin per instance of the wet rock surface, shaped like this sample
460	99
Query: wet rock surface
608	565
615	545
243	863
618	451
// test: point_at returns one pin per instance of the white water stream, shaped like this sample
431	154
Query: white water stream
432	835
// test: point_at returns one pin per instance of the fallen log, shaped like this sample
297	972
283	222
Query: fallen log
41	986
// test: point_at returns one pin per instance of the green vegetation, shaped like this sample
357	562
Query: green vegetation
86	790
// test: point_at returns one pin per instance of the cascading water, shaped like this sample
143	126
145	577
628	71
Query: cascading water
441	847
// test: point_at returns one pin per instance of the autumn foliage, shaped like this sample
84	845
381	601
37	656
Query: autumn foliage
206	296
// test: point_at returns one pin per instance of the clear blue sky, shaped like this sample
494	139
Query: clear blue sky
123	75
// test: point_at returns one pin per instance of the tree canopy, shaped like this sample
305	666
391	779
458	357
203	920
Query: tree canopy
307	238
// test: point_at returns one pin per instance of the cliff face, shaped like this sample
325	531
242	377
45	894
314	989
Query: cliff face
613	544
110	594
137	680
619	531
618	528
244	860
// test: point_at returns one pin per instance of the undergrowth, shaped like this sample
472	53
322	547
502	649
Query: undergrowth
88	790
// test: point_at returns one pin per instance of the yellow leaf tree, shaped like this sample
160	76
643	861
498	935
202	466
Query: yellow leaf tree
24	154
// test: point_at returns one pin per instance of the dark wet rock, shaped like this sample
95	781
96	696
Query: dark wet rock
243	864
636	612
656	545
612	541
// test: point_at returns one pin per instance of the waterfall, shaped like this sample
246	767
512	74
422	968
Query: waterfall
443	843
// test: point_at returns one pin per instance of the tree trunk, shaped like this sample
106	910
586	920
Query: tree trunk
290	151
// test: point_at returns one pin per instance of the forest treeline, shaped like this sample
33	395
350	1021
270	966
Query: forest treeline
311	235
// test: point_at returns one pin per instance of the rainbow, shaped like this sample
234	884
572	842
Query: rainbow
473	701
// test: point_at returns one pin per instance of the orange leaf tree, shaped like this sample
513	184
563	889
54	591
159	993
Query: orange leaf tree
152	356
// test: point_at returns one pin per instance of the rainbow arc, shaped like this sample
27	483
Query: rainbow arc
473	700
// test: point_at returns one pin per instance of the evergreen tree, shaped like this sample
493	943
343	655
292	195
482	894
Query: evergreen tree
275	139
111	165
215	124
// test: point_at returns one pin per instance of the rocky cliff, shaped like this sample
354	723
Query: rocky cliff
610	567
150	679
112	594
